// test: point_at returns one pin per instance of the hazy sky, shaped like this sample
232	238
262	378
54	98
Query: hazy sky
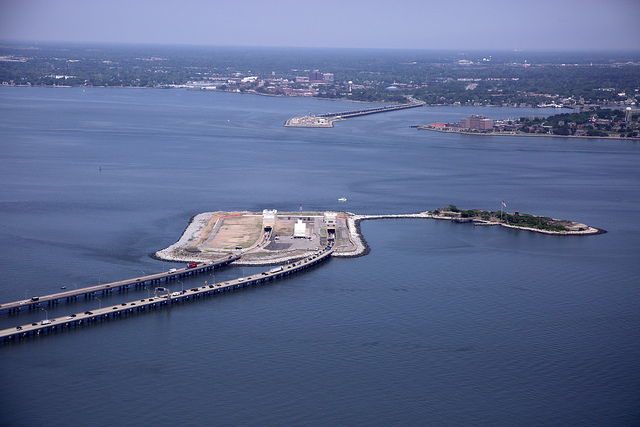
421	24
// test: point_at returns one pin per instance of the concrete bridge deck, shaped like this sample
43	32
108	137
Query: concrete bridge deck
88	292
134	307
327	119
364	112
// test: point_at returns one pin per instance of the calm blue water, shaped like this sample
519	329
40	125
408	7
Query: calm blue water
441	324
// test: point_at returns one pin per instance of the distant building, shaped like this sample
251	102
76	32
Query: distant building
476	122
315	76
327	77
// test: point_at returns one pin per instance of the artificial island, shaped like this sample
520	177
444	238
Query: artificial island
272	237
213	240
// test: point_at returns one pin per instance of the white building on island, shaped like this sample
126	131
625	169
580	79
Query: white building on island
269	219
299	229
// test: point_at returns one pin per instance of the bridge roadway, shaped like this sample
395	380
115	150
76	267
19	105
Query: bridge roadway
354	113
137	306
69	295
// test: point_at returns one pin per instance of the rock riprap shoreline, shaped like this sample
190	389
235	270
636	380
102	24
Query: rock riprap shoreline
214	235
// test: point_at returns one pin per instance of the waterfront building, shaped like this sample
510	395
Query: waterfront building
476	122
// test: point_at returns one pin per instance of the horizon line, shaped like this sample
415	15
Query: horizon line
50	43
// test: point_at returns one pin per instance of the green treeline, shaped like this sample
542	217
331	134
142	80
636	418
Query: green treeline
591	122
515	219
530	221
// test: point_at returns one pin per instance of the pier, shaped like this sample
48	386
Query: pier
89	292
50	326
327	119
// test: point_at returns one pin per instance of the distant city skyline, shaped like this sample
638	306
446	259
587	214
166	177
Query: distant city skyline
547	25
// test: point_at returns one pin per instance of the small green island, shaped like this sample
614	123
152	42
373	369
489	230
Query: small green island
518	220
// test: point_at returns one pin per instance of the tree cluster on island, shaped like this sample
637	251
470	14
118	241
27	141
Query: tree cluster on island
592	122
515	219
435	77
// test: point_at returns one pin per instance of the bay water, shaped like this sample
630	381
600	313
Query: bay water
440	324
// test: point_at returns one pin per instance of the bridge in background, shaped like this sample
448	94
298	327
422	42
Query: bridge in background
327	119
364	112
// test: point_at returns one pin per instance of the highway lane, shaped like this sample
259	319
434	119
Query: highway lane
51	325
34	302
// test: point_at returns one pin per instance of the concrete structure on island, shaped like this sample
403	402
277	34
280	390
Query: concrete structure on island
265	238
271	237
299	230
330	220
269	219
476	122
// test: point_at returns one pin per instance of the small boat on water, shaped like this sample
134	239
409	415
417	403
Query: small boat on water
63	287
342	199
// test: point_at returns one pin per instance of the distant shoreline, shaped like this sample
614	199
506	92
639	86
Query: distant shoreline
317	97
547	135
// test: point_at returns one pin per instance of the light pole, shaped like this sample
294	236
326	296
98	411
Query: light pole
46	315
182	284
99	303
148	292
